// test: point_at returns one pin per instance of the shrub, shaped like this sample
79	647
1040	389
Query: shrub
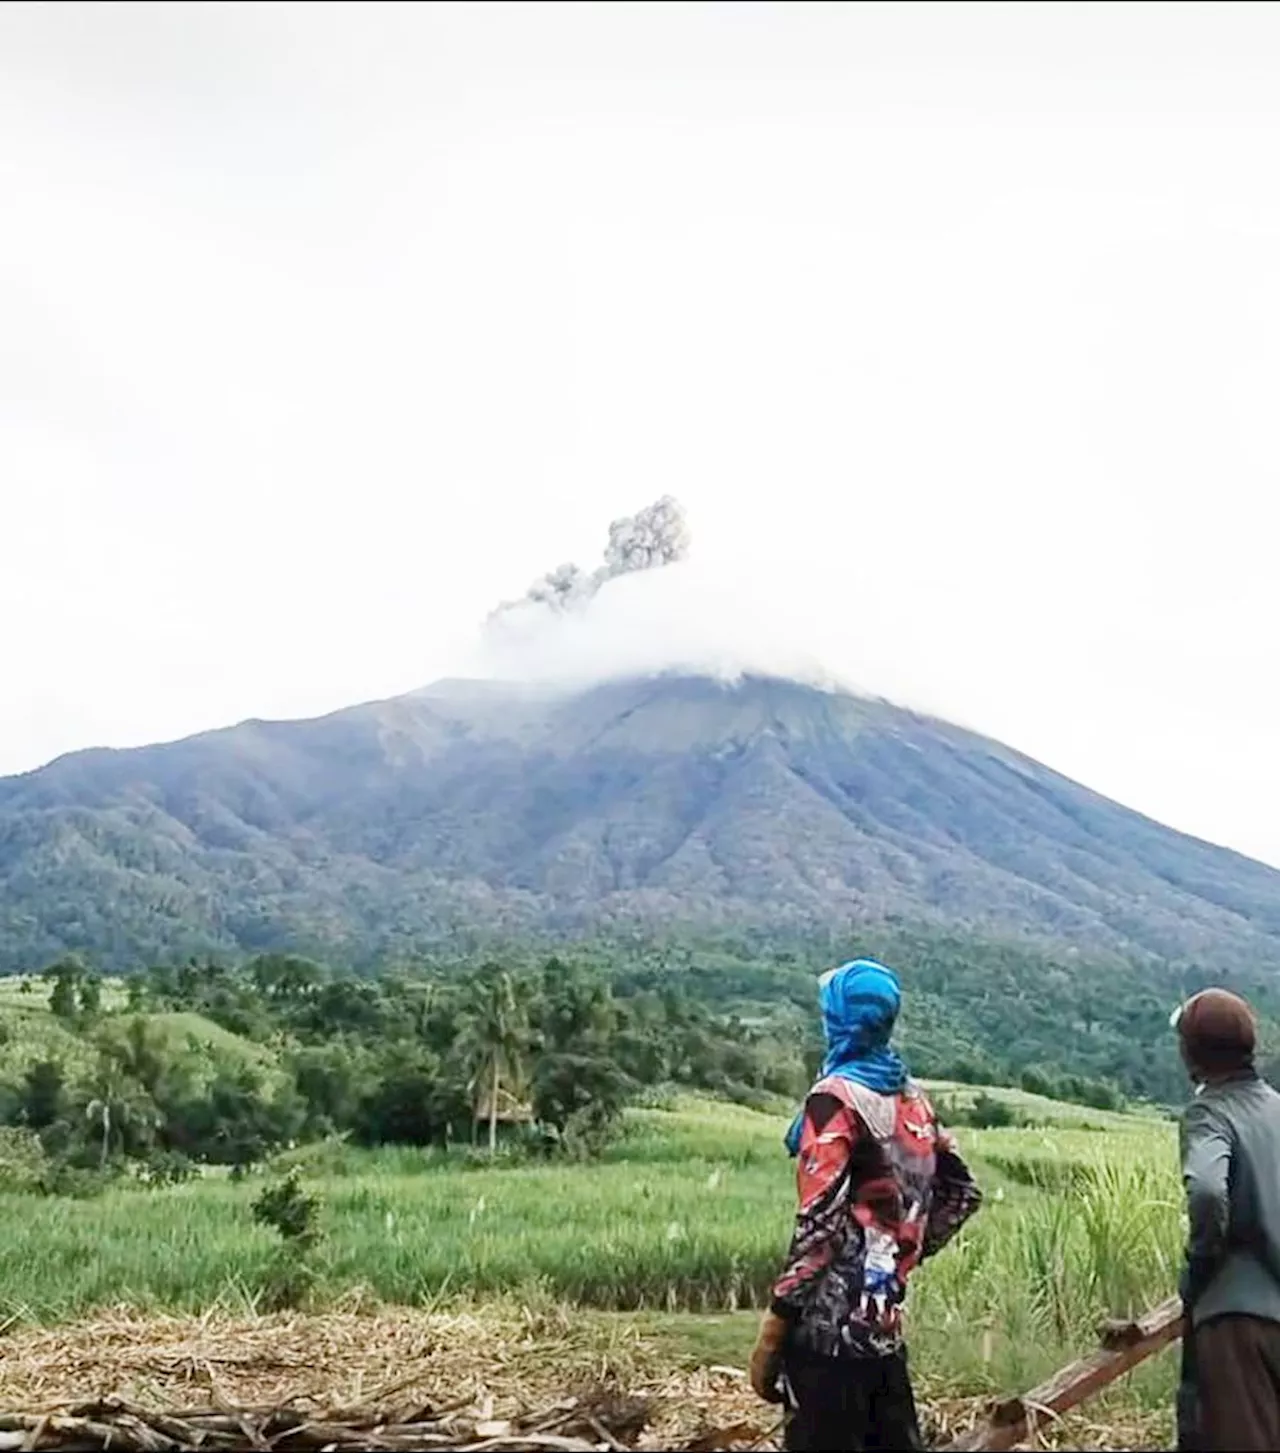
295	1216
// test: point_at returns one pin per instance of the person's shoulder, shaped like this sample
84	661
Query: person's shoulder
1196	1108
1229	1095
878	1112
830	1087
1210	1110
821	1104
914	1093
1266	1096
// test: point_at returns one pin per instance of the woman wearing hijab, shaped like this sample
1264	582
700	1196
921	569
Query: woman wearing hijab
1229	1397
881	1187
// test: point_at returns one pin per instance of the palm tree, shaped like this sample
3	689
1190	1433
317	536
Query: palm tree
120	1110
100	1110
493	1040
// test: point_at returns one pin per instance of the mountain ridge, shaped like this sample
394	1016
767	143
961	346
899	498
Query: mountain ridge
676	800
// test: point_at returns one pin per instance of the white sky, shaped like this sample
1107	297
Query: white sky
955	329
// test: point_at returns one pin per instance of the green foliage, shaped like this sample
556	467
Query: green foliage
682	1220
76	993
235	1122
411	1102
43	1100
987	1113
164	1168
295	1216
63	1176
689	1208
494	1042
205	1063
329	1080
290	1211
580	1097
22	1159
588	1131
62	1001
90	996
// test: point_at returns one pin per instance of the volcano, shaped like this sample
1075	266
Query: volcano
661	802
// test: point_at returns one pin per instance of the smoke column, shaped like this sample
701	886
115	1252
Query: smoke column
655	536
649	609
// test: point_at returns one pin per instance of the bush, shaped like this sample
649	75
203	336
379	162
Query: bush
295	1216
60	1177
579	1090
588	1132
1100	1096
167	1168
22	1159
43	1095
412	1103
986	1113
235	1123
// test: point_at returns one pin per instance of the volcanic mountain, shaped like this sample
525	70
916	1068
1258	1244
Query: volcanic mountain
664	801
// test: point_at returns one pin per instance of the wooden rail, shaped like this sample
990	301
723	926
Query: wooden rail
1124	1345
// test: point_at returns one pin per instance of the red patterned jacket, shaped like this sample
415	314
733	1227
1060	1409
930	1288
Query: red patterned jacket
881	1187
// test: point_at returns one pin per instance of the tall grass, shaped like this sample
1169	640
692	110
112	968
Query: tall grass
1030	1284
691	1212
662	1224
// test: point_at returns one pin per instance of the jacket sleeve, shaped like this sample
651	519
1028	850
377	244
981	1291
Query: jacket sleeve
823	1176
1206	1168
956	1196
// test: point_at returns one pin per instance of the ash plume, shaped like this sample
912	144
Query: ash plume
652	608
648	608
655	536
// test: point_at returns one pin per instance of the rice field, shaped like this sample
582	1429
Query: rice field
681	1227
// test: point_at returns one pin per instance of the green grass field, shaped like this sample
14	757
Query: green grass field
682	1225
679	1230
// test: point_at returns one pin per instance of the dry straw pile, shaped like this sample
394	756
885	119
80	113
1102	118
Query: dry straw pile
500	1377
385	1379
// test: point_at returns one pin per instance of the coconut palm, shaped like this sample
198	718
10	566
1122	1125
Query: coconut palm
120	1110
493	1040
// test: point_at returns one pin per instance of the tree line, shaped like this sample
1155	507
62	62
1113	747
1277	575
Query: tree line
527	1061
520	1049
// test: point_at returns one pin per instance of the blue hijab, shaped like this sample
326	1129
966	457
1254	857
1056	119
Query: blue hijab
859	1002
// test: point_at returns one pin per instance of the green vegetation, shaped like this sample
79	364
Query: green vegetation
477	813
295	1214
1092	1031
530	1056
603	1133
684	1216
206	1065
689	1209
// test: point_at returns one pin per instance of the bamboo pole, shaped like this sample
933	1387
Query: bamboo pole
1124	1346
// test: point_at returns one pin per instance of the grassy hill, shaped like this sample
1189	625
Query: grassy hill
30	1032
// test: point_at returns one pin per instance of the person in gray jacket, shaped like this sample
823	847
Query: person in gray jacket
1230	1140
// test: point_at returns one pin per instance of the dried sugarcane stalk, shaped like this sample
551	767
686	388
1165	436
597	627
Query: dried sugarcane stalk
113	1424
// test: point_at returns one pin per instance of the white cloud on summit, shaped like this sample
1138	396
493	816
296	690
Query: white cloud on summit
660	605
